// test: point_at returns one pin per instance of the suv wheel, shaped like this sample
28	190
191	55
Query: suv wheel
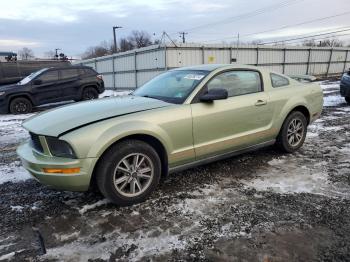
89	93
20	105
347	99
129	172
293	132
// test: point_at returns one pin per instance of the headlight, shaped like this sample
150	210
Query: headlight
2	93
60	148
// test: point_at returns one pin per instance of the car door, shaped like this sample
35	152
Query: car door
69	81
45	87
241	120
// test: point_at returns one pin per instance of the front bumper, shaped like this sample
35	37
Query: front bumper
3	106
34	162
345	90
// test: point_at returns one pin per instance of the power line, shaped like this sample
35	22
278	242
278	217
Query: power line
283	27
332	36
248	14
299	38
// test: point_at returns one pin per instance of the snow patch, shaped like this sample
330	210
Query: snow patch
13	172
86	208
108	93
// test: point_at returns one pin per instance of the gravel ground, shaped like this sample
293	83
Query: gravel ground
261	206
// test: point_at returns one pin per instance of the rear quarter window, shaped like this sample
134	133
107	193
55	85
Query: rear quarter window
278	80
69	73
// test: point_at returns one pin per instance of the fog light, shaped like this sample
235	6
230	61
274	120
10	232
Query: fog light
62	170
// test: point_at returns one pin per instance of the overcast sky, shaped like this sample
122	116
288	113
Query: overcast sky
74	25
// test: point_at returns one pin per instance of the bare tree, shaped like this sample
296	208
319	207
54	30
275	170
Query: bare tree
136	39
26	53
100	50
140	39
323	43
50	54
125	45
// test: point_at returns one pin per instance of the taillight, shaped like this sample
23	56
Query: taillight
99	77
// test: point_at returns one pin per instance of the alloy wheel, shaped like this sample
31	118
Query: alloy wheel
133	174
21	107
295	132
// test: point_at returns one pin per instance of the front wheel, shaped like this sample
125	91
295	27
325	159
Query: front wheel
20	105
128	172
293	132
347	99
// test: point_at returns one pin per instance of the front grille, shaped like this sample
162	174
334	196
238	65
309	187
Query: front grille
36	142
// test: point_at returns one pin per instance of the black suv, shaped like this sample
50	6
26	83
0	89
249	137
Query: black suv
345	86
51	85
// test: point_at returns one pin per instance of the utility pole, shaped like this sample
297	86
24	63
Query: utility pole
182	35
56	54
115	39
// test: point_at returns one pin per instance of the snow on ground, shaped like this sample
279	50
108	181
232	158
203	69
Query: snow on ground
13	172
109	92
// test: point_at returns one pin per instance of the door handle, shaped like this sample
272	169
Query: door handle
260	102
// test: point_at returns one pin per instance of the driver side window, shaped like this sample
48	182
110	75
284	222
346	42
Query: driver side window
237	82
50	76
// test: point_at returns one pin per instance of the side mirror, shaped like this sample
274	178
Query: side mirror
37	82
214	94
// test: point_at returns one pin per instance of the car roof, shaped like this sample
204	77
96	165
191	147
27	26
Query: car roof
212	67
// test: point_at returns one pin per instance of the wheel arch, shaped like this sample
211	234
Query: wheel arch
147	138
303	109
24	95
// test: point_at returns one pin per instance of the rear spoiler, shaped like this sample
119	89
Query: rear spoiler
301	78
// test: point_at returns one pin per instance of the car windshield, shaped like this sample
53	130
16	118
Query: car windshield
27	79
173	86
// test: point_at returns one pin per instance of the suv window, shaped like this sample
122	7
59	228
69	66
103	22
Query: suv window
237	82
278	81
49	76
90	71
69	73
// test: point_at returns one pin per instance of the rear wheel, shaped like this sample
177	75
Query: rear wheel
293	132
20	105
347	99
129	172
89	93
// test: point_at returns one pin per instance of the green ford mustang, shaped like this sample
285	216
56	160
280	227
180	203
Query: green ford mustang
181	118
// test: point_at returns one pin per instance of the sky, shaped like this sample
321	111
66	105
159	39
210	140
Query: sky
74	25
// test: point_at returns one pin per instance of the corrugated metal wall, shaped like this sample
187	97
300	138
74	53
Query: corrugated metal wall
133	68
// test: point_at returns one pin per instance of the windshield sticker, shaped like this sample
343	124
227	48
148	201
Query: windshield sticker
194	77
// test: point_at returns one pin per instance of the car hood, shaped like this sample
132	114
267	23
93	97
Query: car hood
60	120
4	88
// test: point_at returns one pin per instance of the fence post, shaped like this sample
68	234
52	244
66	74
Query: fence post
165	58
346	59
203	55
329	62
257	55
284	61
231	55
95	63
113	73
308	62
135	69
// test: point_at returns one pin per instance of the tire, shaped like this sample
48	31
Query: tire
89	93
293	132
116	181
347	99
20	105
